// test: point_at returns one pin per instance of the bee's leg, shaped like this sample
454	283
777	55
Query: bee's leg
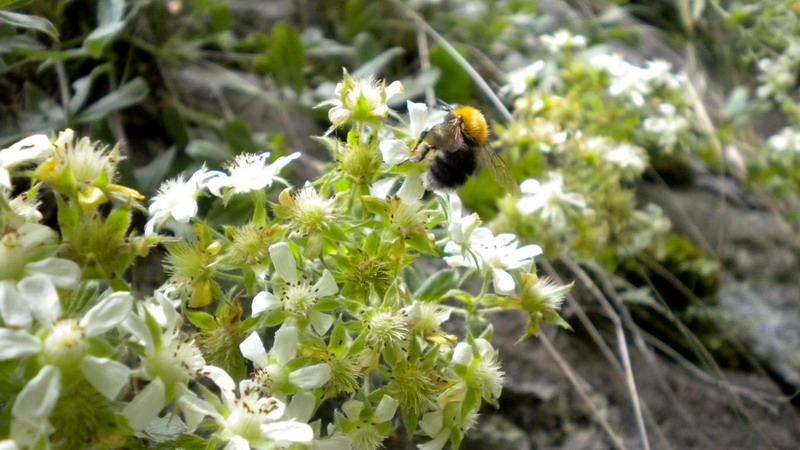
417	157
421	139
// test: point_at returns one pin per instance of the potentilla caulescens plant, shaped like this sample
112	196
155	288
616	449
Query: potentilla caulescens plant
315	296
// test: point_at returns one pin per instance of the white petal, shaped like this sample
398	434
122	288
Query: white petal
311	377
146	405
456	206
136	326
17	343
107	314
521	256
352	409
503	281
42	298
63	273
326	285
264	301
484	348
33	235
393	89
462	354
275	407
28	149
237	443
385	410
8	444
412	188
417	118
12	307
282	161
338	115
431	423
381	188
394	151
284	262
36	400
253	349
216	184
285	346
5	179
185	210
302	406
106	375
320	321
65	137
195	409
436	444
288	431
223	381
530	186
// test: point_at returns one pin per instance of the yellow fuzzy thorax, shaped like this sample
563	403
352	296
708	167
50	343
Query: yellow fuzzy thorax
473	124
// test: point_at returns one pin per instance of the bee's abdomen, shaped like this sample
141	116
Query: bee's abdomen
450	170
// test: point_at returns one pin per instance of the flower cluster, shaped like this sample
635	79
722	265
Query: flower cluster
307	288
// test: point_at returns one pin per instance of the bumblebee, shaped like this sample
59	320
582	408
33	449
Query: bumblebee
462	146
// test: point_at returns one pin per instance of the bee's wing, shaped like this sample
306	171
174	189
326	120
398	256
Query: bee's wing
498	168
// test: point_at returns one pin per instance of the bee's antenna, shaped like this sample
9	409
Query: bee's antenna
444	105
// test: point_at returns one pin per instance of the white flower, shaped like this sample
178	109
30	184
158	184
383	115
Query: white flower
64	346
302	408
441	423
521	79
787	141
394	151
273	371
484	372
365	432
169	360
627	156
562	39
247	420
298	296
548	199
635	82
251	172
461	227
665	125
178	199
493	254
27	150
21	280
418	116
361	100
779	75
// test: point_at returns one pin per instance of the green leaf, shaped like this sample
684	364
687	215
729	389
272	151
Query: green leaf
29	21
175	126
239	137
82	87
454	86
128	94
375	66
201	320
68	218
118	221
110	23
205	150
437	285
287	57
375	205
150	176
